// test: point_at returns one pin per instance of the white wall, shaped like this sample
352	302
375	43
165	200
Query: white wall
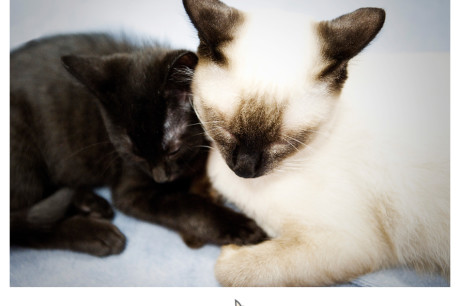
411	25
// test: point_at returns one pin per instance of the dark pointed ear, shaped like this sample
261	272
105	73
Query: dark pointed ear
179	77
180	72
237	303
101	75
344	37
215	22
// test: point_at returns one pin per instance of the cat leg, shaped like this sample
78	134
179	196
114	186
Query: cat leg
197	219
88	203
68	219
308	258
40	215
62	204
43	215
97	237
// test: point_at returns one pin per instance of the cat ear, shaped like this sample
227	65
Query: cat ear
180	71
344	37
179	77
101	75
215	22
237	303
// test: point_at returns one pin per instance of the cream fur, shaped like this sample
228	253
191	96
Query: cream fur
344	204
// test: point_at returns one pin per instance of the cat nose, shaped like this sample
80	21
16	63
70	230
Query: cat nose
161	175
246	163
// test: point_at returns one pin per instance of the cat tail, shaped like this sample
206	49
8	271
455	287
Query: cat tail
42	216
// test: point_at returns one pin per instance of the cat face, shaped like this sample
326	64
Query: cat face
266	82
145	103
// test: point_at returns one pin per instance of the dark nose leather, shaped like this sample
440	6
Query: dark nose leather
246	163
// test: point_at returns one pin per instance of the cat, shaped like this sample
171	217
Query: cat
290	153
89	110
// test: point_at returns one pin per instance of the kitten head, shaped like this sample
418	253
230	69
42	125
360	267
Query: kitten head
144	99
266	82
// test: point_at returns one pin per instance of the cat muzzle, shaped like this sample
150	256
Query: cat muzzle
161	175
246	165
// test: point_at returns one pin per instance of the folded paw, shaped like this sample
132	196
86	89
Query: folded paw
232	266
87	203
236	228
97	237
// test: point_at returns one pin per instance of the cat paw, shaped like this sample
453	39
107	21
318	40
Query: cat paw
191	241
89	204
94	236
243	231
108	241
230	268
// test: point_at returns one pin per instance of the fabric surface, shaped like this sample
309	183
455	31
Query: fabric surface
154	256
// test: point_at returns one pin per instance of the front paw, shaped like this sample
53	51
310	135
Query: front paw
97	237
242	230
192	241
87	203
232	266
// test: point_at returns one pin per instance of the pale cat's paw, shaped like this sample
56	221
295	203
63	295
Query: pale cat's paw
233	267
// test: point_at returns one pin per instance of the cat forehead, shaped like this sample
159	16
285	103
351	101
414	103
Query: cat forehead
273	49
272	58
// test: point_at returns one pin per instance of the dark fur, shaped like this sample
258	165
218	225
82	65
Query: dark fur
343	38
64	142
215	22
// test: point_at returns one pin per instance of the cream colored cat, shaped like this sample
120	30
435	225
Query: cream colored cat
336	200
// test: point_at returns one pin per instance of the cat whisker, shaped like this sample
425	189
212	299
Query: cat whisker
203	146
203	123
206	132
199	134
296	140
189	97
83	149
110	163
279	171
306	146
193	124
291	144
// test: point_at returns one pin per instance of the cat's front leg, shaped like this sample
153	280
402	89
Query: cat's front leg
300	259
198	219
74	219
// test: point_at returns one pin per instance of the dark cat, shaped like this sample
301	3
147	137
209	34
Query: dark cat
135	122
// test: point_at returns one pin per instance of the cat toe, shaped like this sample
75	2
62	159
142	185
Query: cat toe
90	204
228	269
247	232
253	234
191	241
96	237
110	242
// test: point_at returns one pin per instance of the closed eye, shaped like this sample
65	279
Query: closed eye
220	134
174	152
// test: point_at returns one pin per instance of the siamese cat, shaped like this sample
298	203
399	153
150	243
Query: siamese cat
88	110
290	153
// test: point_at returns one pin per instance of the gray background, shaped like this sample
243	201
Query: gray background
411	25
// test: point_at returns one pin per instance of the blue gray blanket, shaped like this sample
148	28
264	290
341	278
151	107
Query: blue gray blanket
154	256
